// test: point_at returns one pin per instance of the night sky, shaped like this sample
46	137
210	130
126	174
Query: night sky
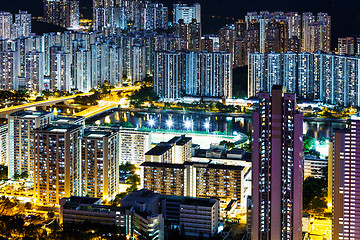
345	13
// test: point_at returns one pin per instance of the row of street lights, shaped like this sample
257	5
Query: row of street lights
188	123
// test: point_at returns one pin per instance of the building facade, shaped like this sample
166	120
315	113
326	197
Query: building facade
322	77
21	142
343	165
99	164
57	167
277	167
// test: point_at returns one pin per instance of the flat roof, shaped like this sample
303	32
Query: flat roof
96	134
204	202
29	114
83	200
139	196
236	151
215	166
162	165
158	150
180	140
58	128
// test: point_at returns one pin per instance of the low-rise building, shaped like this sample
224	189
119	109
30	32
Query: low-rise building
313	166
147	220
85	209
199	216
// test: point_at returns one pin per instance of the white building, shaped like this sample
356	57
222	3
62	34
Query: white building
313	167
22	25
133	145
187	13
3	143
21	143
6	21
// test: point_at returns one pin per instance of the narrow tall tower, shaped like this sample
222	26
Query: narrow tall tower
344	180
277	158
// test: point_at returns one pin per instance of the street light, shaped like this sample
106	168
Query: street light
169	123
188	124
207	125
151	122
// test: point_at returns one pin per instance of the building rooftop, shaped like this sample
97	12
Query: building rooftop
203	202
66	119
236	151
96	134
162	165
180	140
141	200
83	200
58	128
214	166
159	150
29	114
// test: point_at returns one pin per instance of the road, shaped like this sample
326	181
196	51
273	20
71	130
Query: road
321	229
92	111
9	110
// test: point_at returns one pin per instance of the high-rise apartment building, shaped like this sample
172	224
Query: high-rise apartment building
3	143
167	75
347	46
277	171
57	172
227	39
316	34
22	25
82	71
133	145
187	13
64	13
210	43
6	21
60	70
317	76
21	142
99	163
344	181
194	35
9	70
34	71
206	74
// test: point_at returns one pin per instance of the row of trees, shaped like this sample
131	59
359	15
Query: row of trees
314	194
93	99
16	227
128	172
13	95
3	172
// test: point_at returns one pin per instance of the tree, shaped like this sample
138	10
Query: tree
314	192
51	214
24	175
144	94
3	171
228	145
133	179
28	205
127	168
117	198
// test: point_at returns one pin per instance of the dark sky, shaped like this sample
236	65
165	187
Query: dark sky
345	13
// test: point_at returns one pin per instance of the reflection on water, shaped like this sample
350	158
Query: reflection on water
319	130
203	122
177	121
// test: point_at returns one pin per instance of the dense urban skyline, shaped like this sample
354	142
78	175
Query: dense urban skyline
128	123
344	23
